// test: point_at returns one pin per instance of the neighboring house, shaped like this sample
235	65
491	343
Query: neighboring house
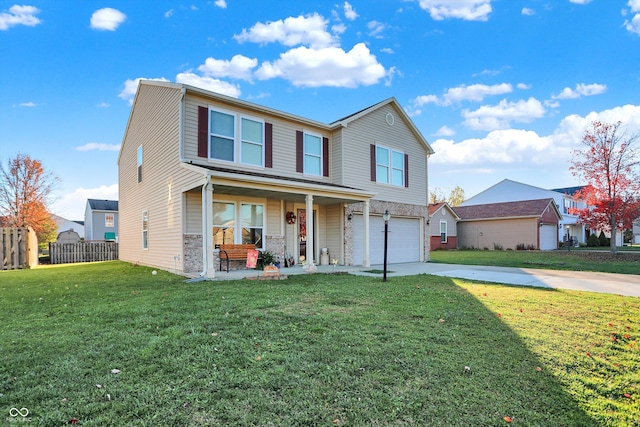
636	232
101	220
443	229
198	169
512	191
528	224
64	224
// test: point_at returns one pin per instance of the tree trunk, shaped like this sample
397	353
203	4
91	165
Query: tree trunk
612	242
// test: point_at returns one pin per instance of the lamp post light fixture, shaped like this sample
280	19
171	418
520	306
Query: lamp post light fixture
386	216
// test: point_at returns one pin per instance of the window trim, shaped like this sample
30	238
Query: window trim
238	137
446	232
139	163
112	221
389	166
145	230
315	156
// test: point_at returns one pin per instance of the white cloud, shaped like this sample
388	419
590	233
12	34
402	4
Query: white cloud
445	131
329	66
376	28
475	92
107	19
29	104
528	11
494	117
103	105
523	148
387	50
580	91
308	30
580	1
349	11
72	205
19	15
523	86
338	28
633	25
168	13
131	86
208	83
239	67
97	146
222	4
469	10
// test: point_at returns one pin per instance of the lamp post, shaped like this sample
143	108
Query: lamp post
385	216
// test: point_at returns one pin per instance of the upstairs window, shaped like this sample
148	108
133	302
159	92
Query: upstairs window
139	164
390	166
252	145
222	136
312	154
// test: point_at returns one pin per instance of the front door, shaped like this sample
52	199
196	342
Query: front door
302	234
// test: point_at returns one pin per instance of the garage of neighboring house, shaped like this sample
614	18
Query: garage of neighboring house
404	240
527	224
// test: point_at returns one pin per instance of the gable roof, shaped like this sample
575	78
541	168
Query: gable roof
521	209
571	191
102	205
435	207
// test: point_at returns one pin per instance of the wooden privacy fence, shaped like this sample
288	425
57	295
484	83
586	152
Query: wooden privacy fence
18	248
62	253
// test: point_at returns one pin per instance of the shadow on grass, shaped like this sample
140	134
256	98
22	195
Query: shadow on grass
311	350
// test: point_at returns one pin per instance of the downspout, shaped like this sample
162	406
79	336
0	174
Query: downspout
207	243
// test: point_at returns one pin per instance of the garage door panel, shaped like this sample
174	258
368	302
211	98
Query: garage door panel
403	240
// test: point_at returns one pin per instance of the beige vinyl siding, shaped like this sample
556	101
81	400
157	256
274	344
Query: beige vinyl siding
506	232
337	163
154	124
273	218
284	138
193	213
373	129
334	234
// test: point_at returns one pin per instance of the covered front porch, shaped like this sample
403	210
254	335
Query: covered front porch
295	220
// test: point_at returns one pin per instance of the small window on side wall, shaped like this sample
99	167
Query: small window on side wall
139	164
145	230
109	220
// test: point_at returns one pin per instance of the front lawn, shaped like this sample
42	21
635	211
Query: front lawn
575	260
113	344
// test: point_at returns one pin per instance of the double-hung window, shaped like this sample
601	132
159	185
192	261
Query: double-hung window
312	154
109	220
222	136
390	166
227	216
139	164
145	230
232	137
443	231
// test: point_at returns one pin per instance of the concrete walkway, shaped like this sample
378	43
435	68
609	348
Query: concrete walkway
619	284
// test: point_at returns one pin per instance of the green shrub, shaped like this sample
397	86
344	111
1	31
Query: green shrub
593	241
604	240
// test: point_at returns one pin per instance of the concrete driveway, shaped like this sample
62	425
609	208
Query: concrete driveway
618	284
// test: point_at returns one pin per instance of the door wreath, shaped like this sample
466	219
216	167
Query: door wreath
291	218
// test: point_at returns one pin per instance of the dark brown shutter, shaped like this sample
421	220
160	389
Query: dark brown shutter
406	170
268	145
373	162
299	151
325	156
203	132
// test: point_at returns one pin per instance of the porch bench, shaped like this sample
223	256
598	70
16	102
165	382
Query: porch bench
230	251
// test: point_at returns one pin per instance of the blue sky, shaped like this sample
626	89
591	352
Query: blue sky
500	88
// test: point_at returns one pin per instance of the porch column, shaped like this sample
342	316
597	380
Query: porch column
310	231
207	230
365	254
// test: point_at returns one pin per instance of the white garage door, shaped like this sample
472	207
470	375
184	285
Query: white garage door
548	237
404	240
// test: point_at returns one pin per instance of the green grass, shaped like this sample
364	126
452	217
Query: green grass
575	260
311	350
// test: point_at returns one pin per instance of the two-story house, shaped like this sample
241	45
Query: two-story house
198	169
101	220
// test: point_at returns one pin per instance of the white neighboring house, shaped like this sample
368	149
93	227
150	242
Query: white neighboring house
513	191
64	224
101	220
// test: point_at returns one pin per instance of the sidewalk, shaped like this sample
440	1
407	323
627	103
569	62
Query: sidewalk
619	284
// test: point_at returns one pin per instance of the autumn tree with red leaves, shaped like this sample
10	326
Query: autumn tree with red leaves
610	165
25	189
